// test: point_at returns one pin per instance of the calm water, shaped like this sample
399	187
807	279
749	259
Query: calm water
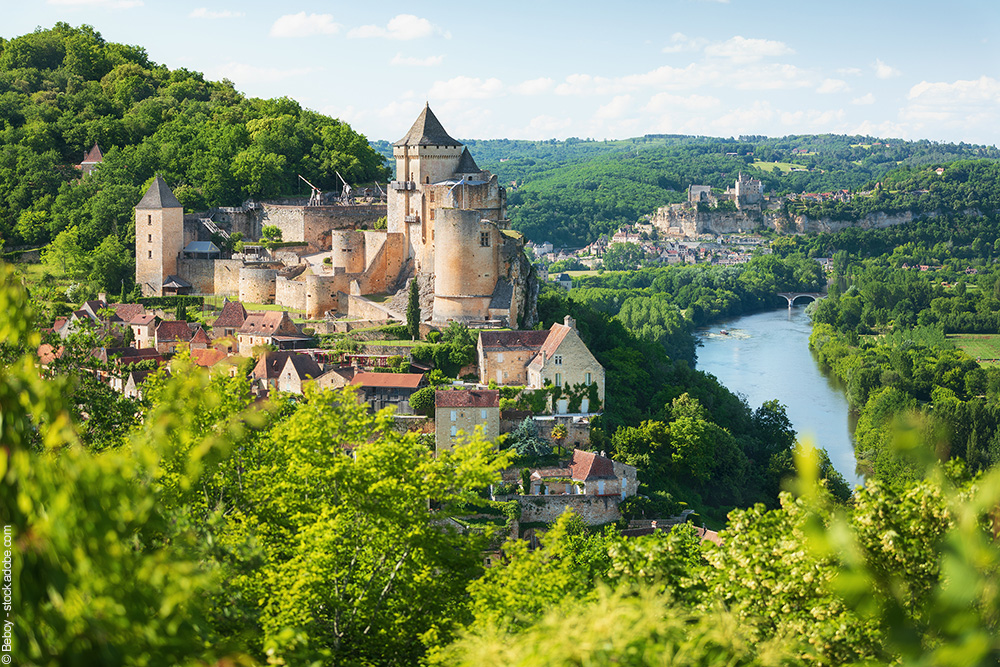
767	356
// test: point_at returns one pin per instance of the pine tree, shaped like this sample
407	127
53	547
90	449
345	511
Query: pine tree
413	311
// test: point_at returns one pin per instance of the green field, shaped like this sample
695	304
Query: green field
783	167
985	348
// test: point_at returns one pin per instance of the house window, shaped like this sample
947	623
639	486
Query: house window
482	415
500	357
557	360
558	379
454	430
454	415
484	239
587	379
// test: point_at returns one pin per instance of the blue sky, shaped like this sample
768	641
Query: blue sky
537	70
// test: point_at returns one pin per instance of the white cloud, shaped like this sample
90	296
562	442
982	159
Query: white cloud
849	71
304	25
984	90
884	71
616	108
667	102
867	98
205	13
429	61
465	87
533	86
742	50
401	27
238	72
585	84
106	4
680	42
833	86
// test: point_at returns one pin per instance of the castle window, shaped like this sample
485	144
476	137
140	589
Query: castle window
484	239
149	219
150	237
427	179
557	360
151	254
433	211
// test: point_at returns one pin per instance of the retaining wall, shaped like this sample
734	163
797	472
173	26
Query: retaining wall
594	510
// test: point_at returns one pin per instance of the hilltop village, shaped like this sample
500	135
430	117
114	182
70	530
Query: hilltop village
327	307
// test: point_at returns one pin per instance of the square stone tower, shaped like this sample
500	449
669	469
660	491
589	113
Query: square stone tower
159	237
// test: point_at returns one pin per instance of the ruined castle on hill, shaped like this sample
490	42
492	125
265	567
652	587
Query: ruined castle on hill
446	226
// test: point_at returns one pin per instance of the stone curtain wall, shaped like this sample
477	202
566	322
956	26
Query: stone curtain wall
313	223
594	510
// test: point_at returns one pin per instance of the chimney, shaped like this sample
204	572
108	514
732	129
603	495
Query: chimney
570	322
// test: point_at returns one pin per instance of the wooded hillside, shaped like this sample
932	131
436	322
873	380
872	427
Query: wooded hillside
65	88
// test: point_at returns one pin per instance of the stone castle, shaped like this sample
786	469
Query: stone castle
446	225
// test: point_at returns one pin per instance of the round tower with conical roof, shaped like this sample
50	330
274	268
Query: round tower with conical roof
159	237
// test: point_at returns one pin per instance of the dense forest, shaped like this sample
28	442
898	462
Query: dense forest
64	89
570	192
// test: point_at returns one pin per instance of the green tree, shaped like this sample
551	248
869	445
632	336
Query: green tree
64	256
422	401
112	266
413	310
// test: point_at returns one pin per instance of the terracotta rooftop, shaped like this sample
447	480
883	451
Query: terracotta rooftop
233	315
127	312
169	330
158	196
208	356
467	398
200	337
500	341
93	156
553	340
263	323
398	380
588	465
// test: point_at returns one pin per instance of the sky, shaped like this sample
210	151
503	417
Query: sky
546	69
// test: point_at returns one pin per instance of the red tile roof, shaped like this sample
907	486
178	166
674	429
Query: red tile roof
553	340
93	155
170	330
588	465
398	380
467	398
233	315
207	357
512	340
267	323
201	337
126	312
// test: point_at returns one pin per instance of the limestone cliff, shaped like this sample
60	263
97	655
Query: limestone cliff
682	220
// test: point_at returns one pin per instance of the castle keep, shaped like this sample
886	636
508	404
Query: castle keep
446	224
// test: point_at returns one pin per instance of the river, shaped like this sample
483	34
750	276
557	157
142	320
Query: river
765	356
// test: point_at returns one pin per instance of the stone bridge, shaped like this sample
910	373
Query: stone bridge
792	296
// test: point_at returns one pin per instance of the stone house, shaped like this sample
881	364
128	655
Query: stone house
504	355
536	358
230	320
565	361
460	412
298	369
144	330
336	378
381	390
169	334
587	474
266	328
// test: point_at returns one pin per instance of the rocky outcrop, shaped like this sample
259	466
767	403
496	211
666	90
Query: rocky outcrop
682	220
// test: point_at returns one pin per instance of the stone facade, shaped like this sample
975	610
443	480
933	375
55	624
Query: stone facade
565	361
159	237
258	284
594	510
461	412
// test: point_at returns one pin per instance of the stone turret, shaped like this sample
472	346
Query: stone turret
159	237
